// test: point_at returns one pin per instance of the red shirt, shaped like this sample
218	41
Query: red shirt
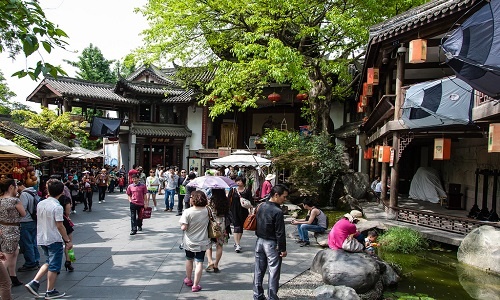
137	193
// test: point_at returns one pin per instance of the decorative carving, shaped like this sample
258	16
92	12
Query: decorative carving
404	140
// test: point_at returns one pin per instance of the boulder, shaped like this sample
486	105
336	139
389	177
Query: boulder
356	270
388	276
322	238
374	293
367	225
481	249
356	184
335	293
347	203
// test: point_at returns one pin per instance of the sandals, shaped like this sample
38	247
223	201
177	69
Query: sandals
196	288
216	270
210	268
188	282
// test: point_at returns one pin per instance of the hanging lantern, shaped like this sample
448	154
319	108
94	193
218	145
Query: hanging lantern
373	75
368	154
360	108
93	138
363	100
384	154
274	97
367	89
72	136
442	149
113	138
494	138
418	51
302	96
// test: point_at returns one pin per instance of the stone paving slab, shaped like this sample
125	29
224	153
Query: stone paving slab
111	264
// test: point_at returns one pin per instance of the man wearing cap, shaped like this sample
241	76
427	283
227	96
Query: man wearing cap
344	228
102	184
267	186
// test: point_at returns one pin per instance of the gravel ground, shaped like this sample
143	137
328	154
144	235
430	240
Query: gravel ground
301	287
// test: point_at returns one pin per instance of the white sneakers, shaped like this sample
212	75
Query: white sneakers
99	202
155	209
104	201
237	248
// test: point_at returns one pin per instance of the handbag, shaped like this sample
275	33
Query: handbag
245	203
145	213
351	244
70	223
251	221
214	228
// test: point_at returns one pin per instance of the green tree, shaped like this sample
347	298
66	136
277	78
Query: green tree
93	66
311	161
59	127
24	27
251	43
7	106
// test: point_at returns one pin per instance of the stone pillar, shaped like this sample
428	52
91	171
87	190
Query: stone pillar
66	107
132	142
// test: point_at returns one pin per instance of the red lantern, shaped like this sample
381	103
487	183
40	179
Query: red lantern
113	139
93	138
274	97
302	96
72	136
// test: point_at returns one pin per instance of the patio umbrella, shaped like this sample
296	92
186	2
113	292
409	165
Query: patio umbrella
12	148
240	158
229	182
472	50
205	182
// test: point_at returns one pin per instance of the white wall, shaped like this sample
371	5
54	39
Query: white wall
337	114
194	123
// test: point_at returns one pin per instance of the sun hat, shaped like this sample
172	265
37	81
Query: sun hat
270	176
104	170
355	215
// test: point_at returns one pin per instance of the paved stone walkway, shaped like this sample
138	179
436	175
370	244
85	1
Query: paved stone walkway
111	264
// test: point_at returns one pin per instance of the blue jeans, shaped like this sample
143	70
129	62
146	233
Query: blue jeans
304	228
28	245
169	194
266	255
54	253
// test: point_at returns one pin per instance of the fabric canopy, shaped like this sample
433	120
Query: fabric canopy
472	50
12	148
83	153
240	158
105	127
447	101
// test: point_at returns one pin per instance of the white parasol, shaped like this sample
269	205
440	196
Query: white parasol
240	158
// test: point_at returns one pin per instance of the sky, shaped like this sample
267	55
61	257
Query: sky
110	25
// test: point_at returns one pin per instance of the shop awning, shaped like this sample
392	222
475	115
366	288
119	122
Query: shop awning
9	146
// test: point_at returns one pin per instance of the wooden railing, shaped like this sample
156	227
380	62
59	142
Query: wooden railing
442	222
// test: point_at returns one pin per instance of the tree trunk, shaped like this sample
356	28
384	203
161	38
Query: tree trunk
320	104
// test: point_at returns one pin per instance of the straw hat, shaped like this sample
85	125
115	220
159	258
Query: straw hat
355	215
270	176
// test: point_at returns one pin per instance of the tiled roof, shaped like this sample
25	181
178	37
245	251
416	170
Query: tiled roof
419	16
162	76
196	74
185	97
167	131
152	88
73	87
38	139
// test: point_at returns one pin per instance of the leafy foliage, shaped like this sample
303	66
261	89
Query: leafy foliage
402	239
250	44
7	106
311	161
24	27
26	144
93	66
59	127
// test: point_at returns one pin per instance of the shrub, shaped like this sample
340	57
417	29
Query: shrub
401	239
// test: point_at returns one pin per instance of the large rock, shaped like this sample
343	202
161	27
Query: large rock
336	293
356	270
356	184
481	249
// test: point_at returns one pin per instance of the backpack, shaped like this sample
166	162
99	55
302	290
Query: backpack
36	199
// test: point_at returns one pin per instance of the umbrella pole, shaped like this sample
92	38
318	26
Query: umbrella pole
255	159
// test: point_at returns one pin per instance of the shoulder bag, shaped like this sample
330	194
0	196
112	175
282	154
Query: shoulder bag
251	221
214	228
351	244
245	203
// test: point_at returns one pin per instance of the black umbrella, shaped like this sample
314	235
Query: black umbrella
472	50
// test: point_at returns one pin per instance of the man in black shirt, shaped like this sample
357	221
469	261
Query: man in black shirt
270	247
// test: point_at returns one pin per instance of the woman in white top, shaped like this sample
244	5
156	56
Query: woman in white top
194	223
152	184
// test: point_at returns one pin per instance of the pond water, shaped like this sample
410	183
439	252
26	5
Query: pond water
436	274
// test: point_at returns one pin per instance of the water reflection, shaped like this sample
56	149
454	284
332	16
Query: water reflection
478	284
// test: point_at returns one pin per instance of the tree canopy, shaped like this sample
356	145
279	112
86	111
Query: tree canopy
93	66
24	27
252	43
